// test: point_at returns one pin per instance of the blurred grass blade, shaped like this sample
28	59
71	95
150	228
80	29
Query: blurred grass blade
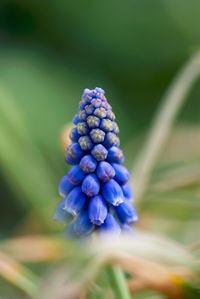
27	176
165	280
183	145
161	265
10	113
144	245
25	168
37	248
71	281
184	207
18	275
177	177
194	247
170	106
179	167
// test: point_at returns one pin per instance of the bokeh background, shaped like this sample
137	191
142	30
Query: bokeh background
50	51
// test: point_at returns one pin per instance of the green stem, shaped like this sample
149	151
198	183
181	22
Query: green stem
118	282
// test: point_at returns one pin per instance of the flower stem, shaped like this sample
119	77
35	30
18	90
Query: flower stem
118	282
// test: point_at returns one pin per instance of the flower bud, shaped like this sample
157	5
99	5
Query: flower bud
105	171
96	103
115	127
82	115
85	143
75	201
99	152
111	139
126	212
105	105
83	103
76	175
97	135
74	135
100	112
97	210
93	93
127	191
65	186
110	226
100	90
88	164
73	153
86	91
122	174
90	185
106	125
82	225
76	120
93	121
112	192
115	155
61	215
89	109
110	115
82	128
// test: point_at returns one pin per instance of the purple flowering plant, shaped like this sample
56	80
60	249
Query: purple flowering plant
96	195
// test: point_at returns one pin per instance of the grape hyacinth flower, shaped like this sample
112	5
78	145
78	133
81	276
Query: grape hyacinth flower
96	195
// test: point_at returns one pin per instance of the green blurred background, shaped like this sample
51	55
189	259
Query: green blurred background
50	51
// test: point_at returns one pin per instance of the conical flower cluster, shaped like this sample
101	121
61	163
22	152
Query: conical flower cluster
96	193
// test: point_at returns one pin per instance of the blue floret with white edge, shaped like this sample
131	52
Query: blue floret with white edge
96	195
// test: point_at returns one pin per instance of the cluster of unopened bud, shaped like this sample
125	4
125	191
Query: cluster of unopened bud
96	193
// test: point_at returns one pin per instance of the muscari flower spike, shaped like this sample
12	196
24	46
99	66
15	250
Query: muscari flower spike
96	195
